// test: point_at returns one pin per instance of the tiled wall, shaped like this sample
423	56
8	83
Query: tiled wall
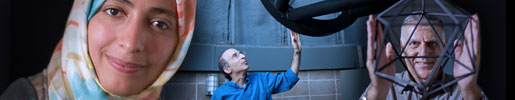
313	85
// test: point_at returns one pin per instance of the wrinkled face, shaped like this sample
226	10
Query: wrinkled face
130	43
424	42
236	60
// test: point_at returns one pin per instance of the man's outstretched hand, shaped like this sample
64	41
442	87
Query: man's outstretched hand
378	86
464	52
295	41
296	45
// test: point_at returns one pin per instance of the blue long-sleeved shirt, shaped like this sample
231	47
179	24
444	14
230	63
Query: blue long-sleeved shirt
258	86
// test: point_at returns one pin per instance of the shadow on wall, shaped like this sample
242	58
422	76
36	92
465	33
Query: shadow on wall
5	30
29	32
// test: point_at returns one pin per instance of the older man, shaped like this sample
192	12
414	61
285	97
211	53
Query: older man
255	86
423	43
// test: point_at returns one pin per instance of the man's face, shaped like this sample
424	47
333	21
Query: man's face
130	43
236	60
424	42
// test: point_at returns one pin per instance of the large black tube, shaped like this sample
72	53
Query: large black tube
325	7
301	19
282	5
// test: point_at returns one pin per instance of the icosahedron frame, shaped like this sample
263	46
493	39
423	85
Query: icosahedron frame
453	18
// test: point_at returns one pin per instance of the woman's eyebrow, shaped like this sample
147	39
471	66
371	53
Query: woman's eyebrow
126	2
161	11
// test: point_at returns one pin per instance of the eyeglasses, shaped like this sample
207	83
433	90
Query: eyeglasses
243	52
238	54
234	55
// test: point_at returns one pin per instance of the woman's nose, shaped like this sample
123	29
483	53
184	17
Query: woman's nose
132	36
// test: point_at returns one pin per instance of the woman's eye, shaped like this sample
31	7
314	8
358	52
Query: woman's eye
112	11
160	25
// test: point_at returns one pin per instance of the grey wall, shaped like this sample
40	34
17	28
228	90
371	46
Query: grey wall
247	26
29	32
312	85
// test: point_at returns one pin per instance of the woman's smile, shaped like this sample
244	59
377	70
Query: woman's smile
123	66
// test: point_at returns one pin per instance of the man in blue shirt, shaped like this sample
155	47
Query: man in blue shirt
255	86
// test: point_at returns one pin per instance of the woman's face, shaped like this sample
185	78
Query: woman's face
130	43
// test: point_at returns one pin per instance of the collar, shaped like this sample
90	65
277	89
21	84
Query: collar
234	85
442	79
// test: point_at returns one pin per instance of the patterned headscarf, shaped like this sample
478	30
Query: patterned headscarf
70	73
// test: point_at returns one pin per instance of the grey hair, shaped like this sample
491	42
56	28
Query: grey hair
222	64
409	20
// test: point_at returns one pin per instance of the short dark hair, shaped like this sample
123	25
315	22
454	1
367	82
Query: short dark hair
222	64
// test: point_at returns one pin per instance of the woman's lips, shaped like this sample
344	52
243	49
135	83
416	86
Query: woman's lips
122	66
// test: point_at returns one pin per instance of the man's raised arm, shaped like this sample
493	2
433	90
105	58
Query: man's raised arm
296	45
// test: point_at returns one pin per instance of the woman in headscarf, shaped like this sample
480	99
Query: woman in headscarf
114	49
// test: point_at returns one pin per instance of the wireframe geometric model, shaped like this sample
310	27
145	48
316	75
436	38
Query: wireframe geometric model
447	21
